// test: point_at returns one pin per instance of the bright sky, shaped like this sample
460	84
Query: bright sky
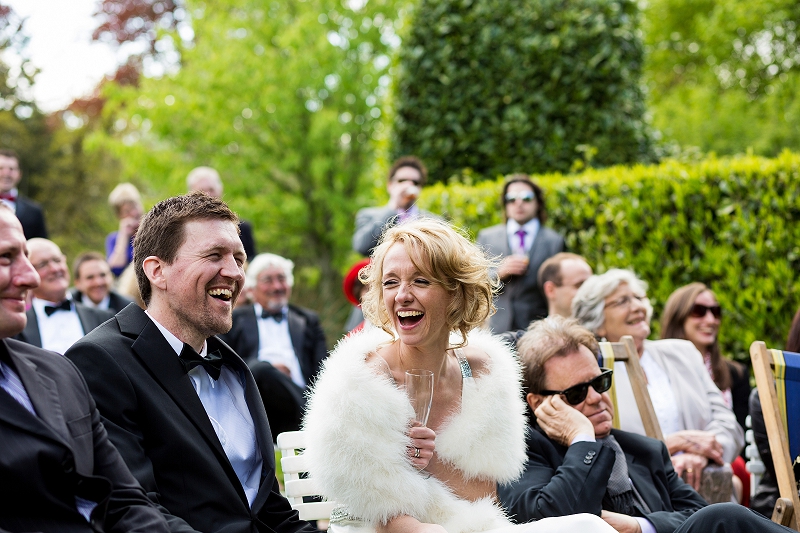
60	44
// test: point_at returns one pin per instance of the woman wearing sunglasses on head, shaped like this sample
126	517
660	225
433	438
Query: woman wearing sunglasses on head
694	314
700	429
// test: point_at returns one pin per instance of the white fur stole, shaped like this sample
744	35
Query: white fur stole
357	421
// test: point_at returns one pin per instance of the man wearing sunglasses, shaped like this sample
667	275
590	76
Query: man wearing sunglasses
578	464
524	244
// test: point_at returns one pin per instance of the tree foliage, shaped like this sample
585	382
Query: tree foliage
723	74
498	86
283	98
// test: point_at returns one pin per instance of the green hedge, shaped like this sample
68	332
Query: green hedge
498	86
731	223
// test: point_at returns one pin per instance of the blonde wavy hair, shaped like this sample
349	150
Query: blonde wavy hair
444	255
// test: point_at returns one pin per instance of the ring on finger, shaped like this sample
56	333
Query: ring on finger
416	453
689	470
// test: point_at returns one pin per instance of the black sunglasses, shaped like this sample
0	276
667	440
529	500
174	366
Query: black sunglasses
700	310
577	393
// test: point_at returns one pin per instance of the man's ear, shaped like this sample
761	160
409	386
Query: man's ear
154	270
549	289
534	400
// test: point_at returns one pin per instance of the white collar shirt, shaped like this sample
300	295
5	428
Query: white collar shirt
229	414
275	344
9	203
59	330
531	229
104	303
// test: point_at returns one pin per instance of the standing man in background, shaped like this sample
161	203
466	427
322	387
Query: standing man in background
93	279
406	179
524	243
29	213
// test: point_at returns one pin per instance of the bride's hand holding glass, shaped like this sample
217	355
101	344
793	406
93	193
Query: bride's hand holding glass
423	444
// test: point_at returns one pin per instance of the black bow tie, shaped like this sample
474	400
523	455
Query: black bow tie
277	316
190	359
66	305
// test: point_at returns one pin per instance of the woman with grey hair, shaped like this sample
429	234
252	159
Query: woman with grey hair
698	425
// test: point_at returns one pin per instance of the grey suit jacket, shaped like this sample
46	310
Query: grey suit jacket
370	224
90	318
61	452
521	300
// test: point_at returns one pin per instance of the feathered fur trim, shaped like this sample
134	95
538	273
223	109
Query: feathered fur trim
357	421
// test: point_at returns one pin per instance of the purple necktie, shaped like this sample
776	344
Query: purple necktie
521	234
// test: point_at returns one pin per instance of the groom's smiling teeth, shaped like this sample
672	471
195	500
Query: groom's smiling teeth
221	294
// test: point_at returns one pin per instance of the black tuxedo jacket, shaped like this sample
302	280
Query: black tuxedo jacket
308	339
116	301
560	480
31	217
63	452
90	318
156	420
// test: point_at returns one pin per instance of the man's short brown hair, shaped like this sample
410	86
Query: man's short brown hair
161	232
551	269
554	336
413	162
82	258
8	152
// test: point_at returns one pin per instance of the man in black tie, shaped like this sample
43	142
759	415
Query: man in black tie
29	213
59	472
55	322
578	464
93	280
284	344
179	404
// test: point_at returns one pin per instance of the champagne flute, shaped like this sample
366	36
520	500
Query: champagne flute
419	388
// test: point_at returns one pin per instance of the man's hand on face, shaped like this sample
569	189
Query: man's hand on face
561	422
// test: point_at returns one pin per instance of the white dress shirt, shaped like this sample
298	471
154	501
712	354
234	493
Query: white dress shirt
60	330
227	410
275	344
531	228
9	203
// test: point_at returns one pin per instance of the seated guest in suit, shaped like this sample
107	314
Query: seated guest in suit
699	428
93	279
523	243
59	472
55	322
127	204
406	179
207	180
180	406
29	213
578	464
284	344
560	277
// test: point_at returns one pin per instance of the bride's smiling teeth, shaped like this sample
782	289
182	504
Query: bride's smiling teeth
409	318
221	294
405	314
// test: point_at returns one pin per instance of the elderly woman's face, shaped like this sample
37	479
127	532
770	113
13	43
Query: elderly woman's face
624	314
416	305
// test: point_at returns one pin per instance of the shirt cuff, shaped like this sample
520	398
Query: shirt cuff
582	437
646	525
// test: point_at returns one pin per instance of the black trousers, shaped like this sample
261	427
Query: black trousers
284	401
729	518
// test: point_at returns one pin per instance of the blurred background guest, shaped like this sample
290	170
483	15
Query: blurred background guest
93	280
693	313
126	202
28	212
353	288
523	243
698	426
559	278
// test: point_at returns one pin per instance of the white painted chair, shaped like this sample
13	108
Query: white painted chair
291	445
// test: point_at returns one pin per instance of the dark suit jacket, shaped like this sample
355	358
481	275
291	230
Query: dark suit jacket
31	217
62	452
561	480
370	224
521	300
246	236
116	301
308	339
155	418
90	318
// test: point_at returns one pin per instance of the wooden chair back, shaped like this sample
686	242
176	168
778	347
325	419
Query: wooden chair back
291	444
625	352
778	381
